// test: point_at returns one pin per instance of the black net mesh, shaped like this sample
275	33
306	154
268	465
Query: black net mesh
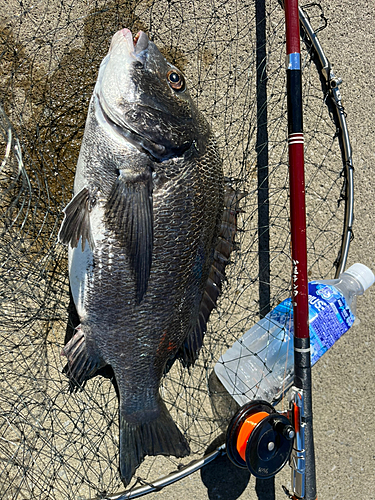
58	445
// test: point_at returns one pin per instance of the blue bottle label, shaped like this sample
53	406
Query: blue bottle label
329	317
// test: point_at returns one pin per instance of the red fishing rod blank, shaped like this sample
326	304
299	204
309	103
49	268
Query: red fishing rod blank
304	477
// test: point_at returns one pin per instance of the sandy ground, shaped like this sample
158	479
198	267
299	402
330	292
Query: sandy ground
343	381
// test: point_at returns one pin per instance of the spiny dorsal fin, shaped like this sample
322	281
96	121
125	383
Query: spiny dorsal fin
225	245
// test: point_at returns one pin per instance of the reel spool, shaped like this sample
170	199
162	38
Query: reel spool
259	439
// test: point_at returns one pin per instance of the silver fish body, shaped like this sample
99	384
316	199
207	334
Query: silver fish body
148	239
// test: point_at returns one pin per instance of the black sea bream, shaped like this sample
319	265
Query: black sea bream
149	230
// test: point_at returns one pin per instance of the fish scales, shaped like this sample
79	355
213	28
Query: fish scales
182	242
145	228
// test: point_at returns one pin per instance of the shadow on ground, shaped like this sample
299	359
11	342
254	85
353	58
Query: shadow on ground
226	481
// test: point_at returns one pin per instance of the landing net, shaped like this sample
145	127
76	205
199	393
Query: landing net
58	445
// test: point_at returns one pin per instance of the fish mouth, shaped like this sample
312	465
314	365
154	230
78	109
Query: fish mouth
140	41
135	45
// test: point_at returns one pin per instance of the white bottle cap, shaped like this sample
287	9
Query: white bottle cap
362	273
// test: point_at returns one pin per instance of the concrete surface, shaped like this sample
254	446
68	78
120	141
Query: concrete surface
344	380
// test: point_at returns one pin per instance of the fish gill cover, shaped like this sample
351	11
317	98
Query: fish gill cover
57	444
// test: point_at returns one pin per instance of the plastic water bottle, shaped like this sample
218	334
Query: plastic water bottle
260	365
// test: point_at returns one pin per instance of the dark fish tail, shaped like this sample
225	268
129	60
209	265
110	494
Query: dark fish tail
159	436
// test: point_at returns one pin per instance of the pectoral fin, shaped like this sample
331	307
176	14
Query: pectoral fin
76	223
129	213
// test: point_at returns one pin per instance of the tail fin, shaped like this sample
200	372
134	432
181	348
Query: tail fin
156	437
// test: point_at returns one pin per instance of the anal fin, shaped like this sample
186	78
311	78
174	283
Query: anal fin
80	366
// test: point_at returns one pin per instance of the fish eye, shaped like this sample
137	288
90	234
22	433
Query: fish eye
175	80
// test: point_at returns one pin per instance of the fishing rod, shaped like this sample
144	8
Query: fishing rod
258	437
302	459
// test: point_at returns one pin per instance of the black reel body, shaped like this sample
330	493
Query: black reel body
259	439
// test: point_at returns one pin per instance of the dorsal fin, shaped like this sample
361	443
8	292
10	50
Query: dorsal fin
224	247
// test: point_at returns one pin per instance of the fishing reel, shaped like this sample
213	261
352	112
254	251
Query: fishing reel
260	439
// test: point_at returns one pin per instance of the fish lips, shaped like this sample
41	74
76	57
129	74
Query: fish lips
135	46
